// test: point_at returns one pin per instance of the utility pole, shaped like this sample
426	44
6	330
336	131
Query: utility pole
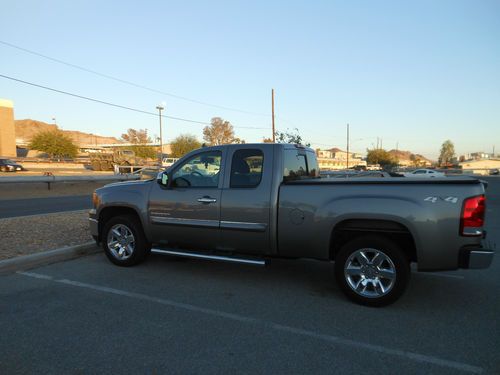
160	108
347	146
272	106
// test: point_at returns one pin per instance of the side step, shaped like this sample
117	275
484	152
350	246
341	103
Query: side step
221	258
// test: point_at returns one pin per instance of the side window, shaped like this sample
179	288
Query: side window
295	166
312	165
201	170
246	168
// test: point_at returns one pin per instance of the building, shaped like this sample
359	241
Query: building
335	158
480	166
7	129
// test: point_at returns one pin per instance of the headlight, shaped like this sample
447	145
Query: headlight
95	199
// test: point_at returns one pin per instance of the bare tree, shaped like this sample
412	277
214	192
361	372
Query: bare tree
135	136
219	132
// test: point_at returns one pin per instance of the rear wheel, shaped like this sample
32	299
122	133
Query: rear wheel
124	242
372	270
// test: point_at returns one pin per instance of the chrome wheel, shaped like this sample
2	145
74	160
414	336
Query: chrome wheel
370	273
121	241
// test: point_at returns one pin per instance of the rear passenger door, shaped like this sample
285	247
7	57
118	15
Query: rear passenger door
246	197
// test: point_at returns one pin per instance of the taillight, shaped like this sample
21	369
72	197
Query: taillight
472	218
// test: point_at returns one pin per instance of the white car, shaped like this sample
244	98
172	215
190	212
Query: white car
167	162
425	173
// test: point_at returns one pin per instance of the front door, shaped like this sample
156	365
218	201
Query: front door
187	213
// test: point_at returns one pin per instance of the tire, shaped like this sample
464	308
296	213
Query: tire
376	279
131	246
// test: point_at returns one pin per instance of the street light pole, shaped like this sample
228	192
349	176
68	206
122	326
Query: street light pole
160	108
347	146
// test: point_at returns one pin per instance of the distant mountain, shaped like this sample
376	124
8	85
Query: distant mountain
26	129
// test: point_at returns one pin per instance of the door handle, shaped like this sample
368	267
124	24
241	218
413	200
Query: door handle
207	200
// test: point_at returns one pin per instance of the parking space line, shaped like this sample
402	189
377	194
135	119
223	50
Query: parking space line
417	357
440	275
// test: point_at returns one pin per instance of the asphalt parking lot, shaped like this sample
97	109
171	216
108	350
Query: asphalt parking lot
191	316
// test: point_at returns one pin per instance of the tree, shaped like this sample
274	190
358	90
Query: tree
183	144
267	140
137	136
290	137
219	132
447	153
55	143
146	152
381	157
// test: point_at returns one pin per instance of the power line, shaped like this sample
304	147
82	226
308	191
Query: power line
129	82
117	105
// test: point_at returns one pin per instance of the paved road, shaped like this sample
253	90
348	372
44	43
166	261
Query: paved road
191	316
36	206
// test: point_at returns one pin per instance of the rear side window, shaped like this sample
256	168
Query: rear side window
295	166
312	165
246	168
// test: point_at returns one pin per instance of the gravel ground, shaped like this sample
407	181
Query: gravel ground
33	234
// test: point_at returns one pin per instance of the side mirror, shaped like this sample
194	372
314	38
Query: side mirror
162	178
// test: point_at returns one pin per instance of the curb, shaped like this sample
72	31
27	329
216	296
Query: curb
47	257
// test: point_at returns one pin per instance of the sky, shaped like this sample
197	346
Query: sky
410	73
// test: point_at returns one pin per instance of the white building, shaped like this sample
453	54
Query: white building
335	158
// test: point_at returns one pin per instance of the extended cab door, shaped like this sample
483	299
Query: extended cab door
187	213
246	199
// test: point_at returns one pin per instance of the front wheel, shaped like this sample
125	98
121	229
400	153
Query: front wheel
123	241
372	270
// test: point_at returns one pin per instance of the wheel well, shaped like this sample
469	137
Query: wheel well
109	212
347	230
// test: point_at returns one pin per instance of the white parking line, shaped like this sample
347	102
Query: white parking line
279	327
441	275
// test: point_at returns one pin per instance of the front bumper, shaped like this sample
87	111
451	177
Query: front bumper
475	258
94	224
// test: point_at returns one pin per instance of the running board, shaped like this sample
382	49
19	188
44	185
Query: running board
210	257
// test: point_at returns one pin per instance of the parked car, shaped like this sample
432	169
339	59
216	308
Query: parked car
425	173
7	165
167	162
256	202
494	172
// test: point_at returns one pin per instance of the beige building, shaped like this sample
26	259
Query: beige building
335	158
7	129
480	166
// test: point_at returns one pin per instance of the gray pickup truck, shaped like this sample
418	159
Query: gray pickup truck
253	202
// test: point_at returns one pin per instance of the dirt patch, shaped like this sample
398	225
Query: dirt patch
32	234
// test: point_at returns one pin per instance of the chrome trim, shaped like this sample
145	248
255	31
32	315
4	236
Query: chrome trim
479	259
210	257
186	222
207	200
242	225
470	231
